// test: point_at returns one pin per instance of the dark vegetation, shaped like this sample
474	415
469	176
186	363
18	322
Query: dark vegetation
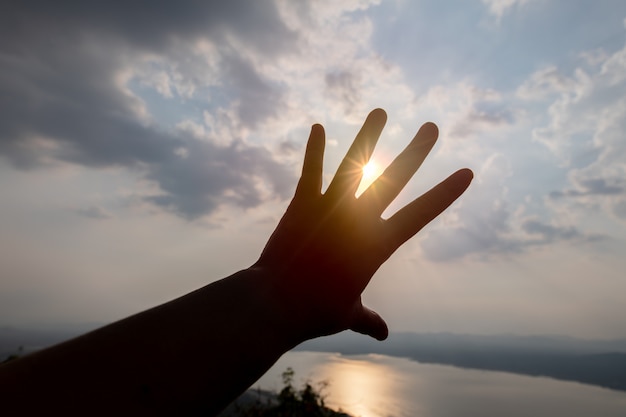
12	356
289	402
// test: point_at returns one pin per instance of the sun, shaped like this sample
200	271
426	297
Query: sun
370	171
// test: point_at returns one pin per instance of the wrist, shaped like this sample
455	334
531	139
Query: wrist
256	308
278	309
299	312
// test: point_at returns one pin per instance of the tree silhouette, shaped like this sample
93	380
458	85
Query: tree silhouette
291	402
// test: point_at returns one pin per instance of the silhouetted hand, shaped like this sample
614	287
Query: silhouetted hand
200	351
327	246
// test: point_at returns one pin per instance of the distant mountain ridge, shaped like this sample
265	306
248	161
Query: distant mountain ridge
596	362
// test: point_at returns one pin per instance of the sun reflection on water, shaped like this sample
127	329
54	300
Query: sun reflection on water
383	386
361	387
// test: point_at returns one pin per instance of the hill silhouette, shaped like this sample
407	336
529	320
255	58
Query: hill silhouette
595	362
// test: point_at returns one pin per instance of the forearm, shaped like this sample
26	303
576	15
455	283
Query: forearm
197	352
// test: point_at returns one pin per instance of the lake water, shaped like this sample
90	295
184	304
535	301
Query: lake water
384	386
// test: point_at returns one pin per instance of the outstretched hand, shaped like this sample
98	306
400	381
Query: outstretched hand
328	245
193	354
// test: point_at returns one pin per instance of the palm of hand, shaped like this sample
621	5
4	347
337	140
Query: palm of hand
327	246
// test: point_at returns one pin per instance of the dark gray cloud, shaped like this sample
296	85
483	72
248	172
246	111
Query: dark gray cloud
93	212
541	233
258	98
548	232
61	92
60	98
619	210
485	239
145	24
495	228
211	175
480	120
344	87
485	231
594	187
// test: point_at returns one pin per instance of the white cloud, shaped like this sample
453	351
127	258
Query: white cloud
480	223
546	82
585	130
466	110
499	8
335	72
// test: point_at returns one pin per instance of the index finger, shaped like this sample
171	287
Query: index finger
350	171
310	183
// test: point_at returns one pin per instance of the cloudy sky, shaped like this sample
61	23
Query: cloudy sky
148	148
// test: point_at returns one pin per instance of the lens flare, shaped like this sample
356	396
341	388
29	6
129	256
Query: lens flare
370	171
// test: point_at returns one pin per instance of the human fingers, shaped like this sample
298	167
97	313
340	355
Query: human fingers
348	176
310	183
417	214
367	321
387	187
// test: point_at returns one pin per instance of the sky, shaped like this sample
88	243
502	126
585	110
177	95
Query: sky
149	148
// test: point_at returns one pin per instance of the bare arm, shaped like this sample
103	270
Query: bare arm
198	352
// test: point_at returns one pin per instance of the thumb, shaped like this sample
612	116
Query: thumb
368	322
